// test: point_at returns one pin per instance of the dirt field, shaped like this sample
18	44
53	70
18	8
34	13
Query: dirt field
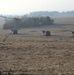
33	53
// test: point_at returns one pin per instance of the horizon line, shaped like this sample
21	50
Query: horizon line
12	14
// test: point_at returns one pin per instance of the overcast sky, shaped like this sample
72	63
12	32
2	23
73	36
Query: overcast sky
26	6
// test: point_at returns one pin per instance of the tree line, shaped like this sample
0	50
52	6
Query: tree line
25	22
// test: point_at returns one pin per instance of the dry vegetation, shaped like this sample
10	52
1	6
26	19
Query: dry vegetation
35	54
64	20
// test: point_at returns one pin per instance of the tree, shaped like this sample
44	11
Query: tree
28	22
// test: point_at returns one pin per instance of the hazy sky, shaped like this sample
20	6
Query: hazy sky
27	6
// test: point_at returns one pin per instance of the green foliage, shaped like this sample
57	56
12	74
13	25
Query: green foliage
28	22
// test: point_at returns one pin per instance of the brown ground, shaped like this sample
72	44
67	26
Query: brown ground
35	53
64	20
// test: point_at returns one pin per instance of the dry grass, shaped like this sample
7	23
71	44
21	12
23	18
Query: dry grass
37	54
64	20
